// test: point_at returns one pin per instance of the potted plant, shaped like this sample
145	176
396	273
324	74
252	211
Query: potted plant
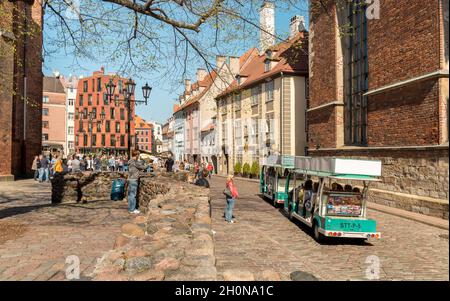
246	170
254	171
237	168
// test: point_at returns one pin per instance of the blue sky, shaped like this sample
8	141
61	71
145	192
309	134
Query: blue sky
163	96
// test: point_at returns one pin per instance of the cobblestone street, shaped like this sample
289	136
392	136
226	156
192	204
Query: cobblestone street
264	239
36	237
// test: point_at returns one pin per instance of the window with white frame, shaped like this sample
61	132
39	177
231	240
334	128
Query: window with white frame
270	86
254	131
237	102
256	95
224	132
238	133
270	131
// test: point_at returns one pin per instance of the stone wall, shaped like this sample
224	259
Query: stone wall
96	186
172	241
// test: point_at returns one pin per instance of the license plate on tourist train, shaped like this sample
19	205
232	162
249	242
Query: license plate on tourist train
350	226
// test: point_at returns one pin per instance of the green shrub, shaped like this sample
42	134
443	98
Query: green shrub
237	168
254	171
246	170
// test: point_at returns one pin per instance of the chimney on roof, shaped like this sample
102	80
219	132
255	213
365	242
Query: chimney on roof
201	74
102	69
220	60
267	25
187	86
297	25
234	65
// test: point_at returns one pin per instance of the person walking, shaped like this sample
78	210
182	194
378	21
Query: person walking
231	195
169	164
210	169
35	166
112	164
120	164
196	169
76	164
44	169
134	167
69	164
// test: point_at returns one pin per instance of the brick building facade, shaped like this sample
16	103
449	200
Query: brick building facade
54	116
144	134
381	92
20	86
92	134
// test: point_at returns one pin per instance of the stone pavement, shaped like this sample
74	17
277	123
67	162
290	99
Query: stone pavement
264	241
37	237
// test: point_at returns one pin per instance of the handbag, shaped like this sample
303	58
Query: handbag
227	192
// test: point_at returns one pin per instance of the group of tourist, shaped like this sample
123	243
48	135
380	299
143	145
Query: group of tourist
204	169
45	167
77	163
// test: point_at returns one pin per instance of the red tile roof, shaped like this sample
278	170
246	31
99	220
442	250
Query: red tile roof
290	57
209	79
140	123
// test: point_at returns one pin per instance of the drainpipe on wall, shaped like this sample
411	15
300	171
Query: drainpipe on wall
281	113
25	89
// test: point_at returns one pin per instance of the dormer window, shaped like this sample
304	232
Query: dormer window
267	65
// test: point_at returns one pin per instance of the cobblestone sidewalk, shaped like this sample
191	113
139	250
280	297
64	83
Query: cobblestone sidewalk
36	237
264	240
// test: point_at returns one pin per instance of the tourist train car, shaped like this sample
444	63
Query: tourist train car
273	178
330	196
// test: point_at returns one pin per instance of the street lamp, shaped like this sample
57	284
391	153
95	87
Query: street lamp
146	90
130	86
110	87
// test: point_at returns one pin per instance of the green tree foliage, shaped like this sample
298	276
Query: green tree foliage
255	169
237	168
246	170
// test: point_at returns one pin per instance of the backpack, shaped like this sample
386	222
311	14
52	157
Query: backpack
118	190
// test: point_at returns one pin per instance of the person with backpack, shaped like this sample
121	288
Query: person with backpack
58	166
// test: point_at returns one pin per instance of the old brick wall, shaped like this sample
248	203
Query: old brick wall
21	89
407	116
411	30
322	128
